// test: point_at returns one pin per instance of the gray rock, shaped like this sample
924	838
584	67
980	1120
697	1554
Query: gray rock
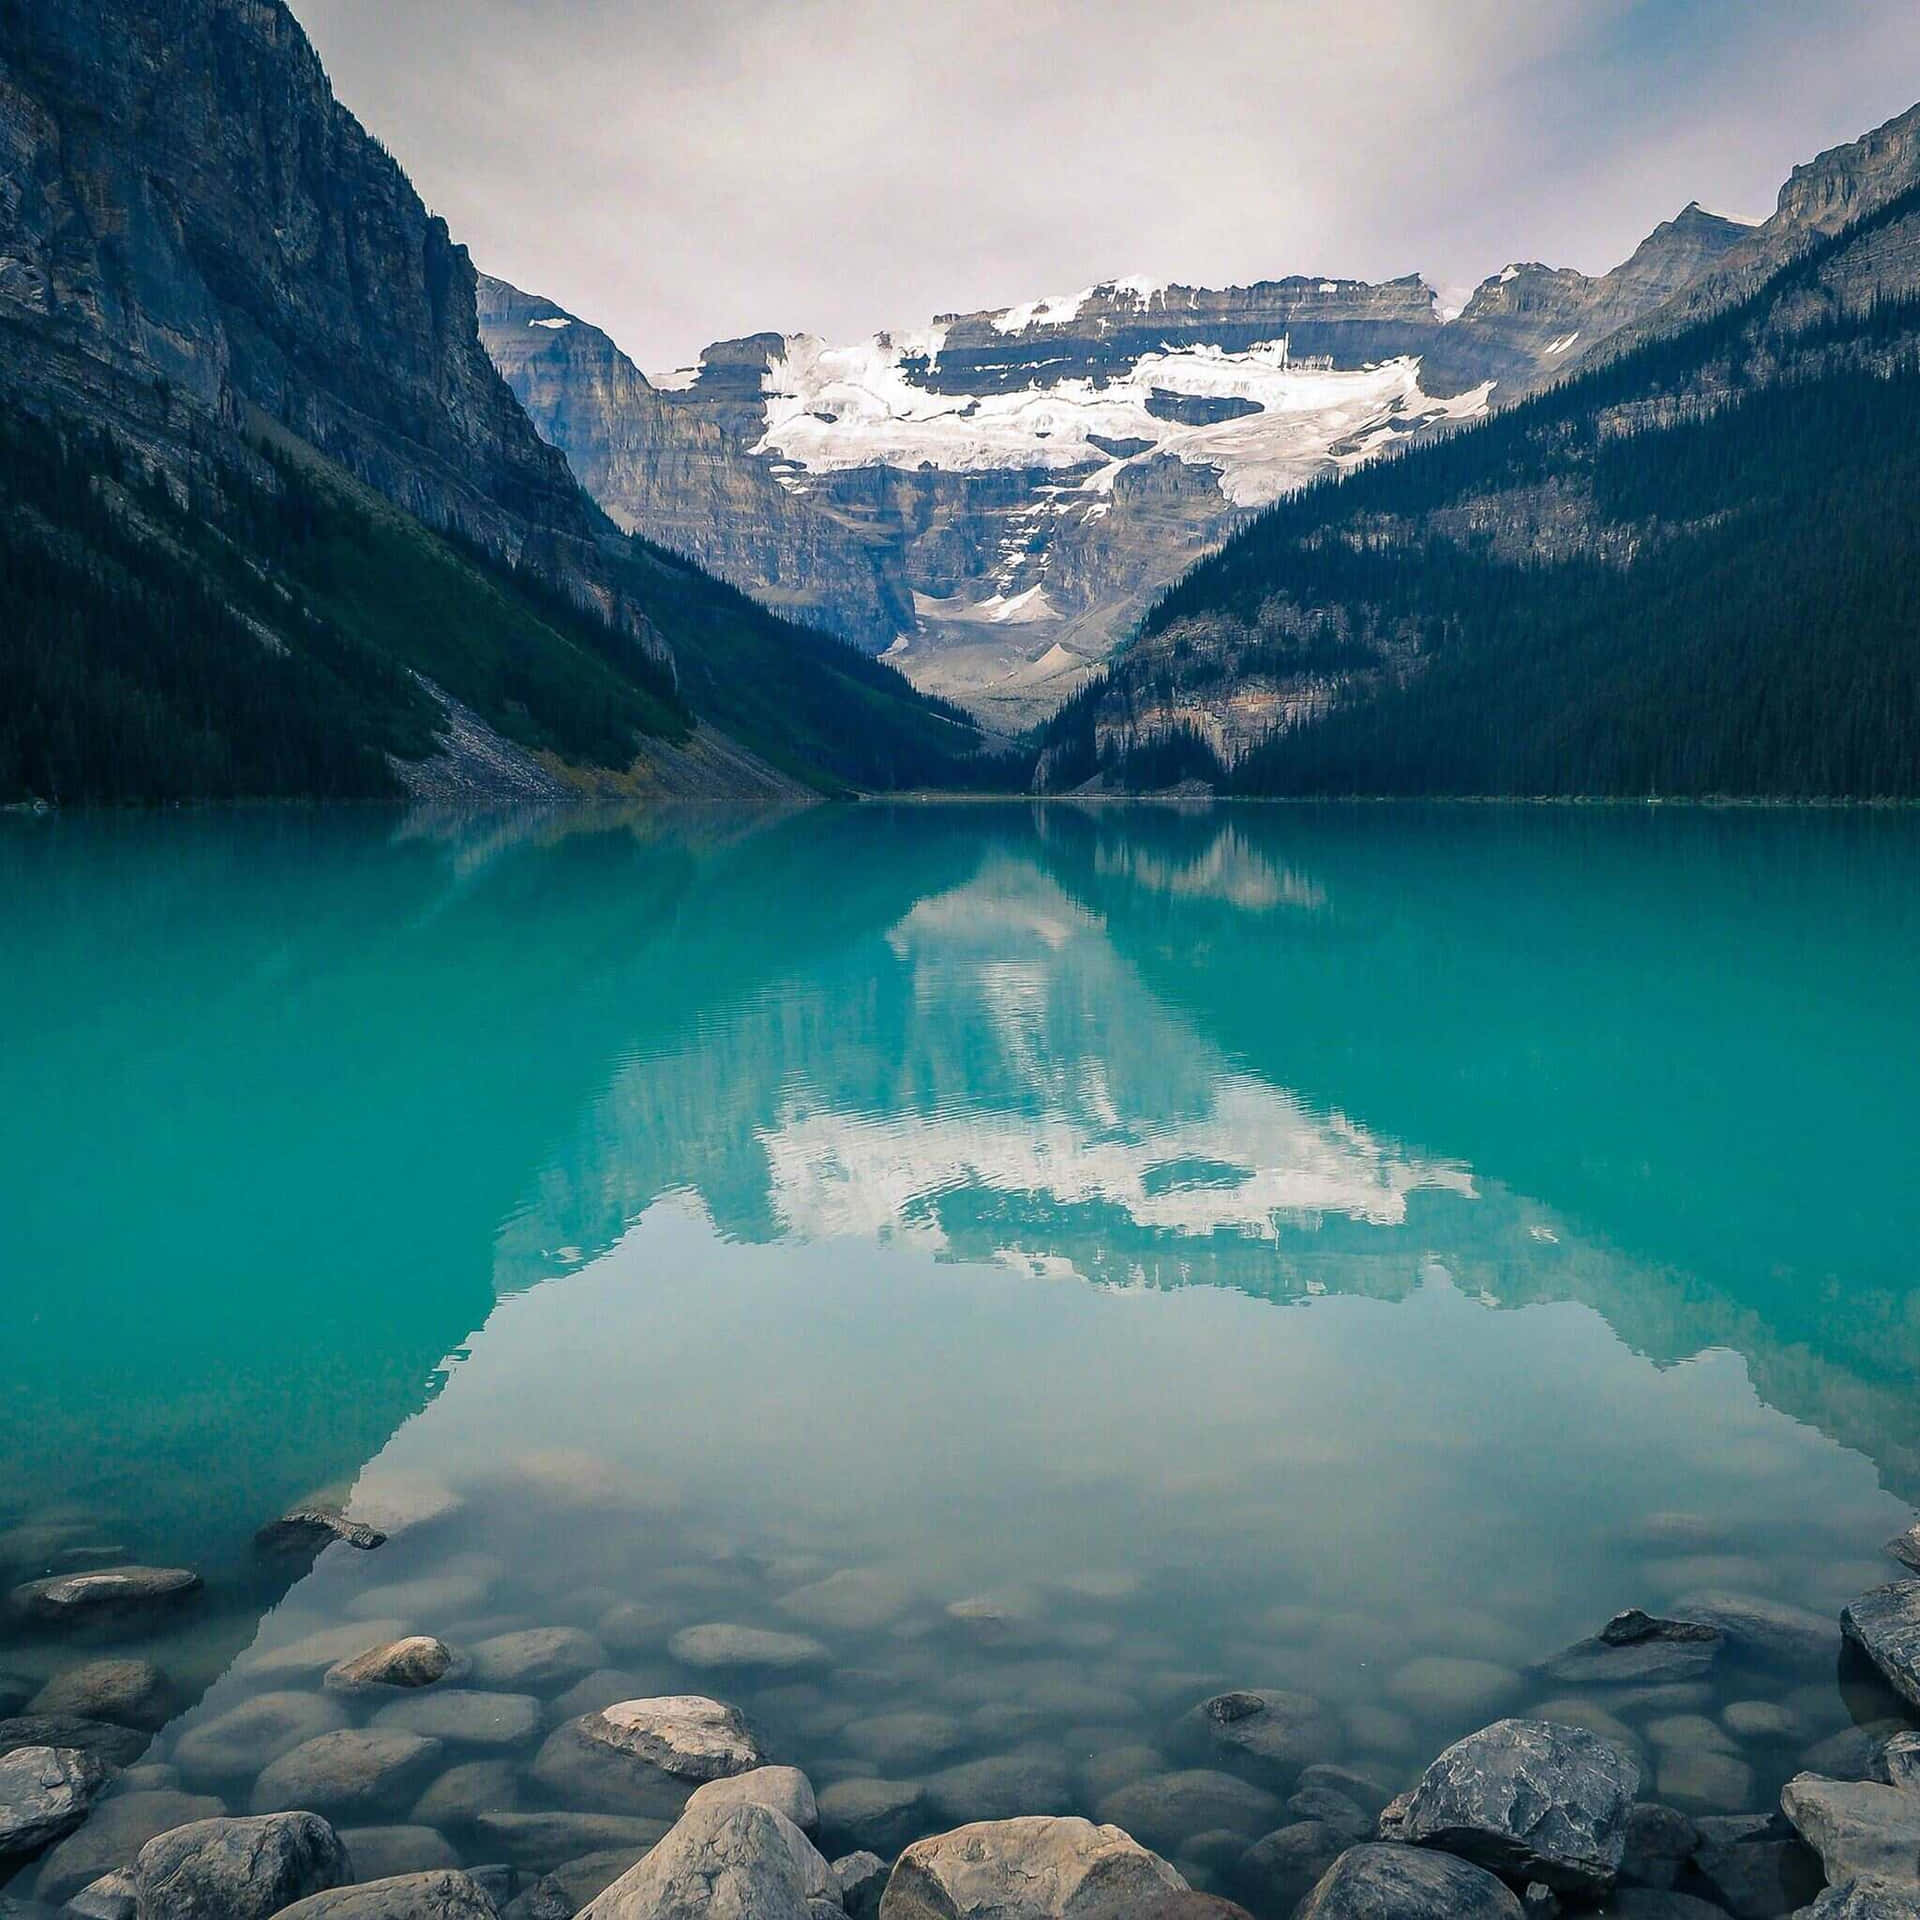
1860	1829
130	1693
113	1835
786	1790
1897	1761
880	1815
1164	1810
44	1794
632	1627
498	1881
862	1878
238	1869
1848	1754
416	1661
254	1734
309	1529
1660	1841
536	1659
1905	1547
1282	1732
1530	1799
1652	1903
747	1861
1281	1868
561	1894
1387	1882
465	1718
1368	1792
1028	1869
150	1776
106	1596
855	1600
1755	1867
1442	1686
463	1793
1758	1719
381	1853
685	1735
1637	1649
354	1771
1865	1900
315	1652
112	1746
1003	1786
1769	1630
1885	1626
111	1897
1115	1767
719	1645
1333	1809
901	1742
410	1896
543	1842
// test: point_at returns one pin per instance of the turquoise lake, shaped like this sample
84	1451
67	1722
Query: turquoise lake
1060	1263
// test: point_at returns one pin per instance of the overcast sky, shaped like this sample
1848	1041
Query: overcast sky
680	171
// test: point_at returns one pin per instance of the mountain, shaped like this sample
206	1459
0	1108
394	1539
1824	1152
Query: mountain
1687	568
996	499
272	522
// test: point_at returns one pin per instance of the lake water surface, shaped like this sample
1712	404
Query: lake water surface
1060	1264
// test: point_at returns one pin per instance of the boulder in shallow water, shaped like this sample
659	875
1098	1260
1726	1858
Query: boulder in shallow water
862	1879
1281	1731
1381	1881
238	1869
658	1748
536	1659
1165	1809
463	1793
354	1771
1530	1800
382	1853
111	1897
417	1660
882	1815
1860	1829
112	1836
1636	1648
719	1645
745	1861
1905	1547
1003	1786
309	1529
107	1596
561	1894
1029	1869
1769	1630
44	1794
785	1789
1660	1842
1281	1868
1754	1865
111	1745
251	1736
130	1693
1885	1626
465	1717
1865	1900
542	1842
409	1896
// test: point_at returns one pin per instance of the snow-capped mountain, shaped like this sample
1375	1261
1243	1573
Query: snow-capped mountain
996	497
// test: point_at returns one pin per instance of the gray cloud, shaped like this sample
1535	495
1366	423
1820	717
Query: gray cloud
683	172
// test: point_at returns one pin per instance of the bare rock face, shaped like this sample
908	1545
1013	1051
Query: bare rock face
1382	1881
44	1794
1885	1626
1532	1801
746	1861
1028	1869
238	1869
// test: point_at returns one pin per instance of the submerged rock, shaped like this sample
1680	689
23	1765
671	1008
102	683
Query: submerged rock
113	1835
111	1897
464	1717
44	1794
381	1853
1029	1869
112	1594
1280	1869
542	1842
1885	1626
1636	1648
683	1734
561	1894
1532	1800
536	1659
1754	1865
1164	1810
1769	1630
719	1644
883	1815
308	1529
746	1860
1660	1842
1381	1881
1283	1731
409	1896
111	1745
130	1693
418	1660
1003	1786
1860	1829
254	1734
356	1770
786	1790
238	1869
862	1878
463	1793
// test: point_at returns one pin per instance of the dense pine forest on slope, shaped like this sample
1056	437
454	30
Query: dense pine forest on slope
1692	571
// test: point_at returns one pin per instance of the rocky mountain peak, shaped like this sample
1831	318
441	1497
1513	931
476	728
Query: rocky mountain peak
1848	181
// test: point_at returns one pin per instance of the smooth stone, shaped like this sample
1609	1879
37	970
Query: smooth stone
1369	1793
1755	1866
130	1693
540	1842
44	1794
394	1499
576	1769
904	1741
536	1659
745	1861
1441	1686
862	1879
602	1688
150	1776
1028	1869
416	1661
1704	1779
1375	1729
1569	1712
463	1793
1905	1547
465	1718
436	1597
1769	1629
309	1529
1281	1868
1660	1841
1002	1787
1164	1810
1885	1626
1848	1754
1387	1882
382	1853
1860	1829
1530	1800
1283	1731
1683	1730
1637	1649
113	1835
111	1897
315	1652
882	1816
720	1645
238	1869
630	1626
855	1600
1758	1720
1334	1809
1865	1900
250	1737
1116	1767
355	1770
443	1895
686	1735
106	1594
561	1894
1897	1761
786	1790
